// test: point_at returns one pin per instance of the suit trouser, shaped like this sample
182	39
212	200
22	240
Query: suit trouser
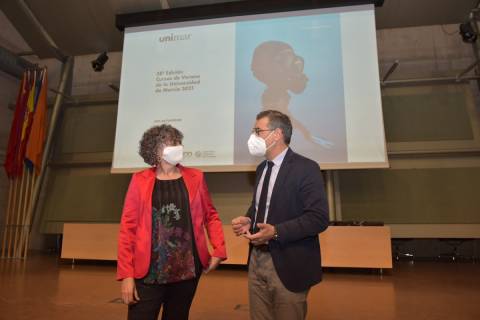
268	297
174	298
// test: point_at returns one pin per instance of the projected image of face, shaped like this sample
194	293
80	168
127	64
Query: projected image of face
276	65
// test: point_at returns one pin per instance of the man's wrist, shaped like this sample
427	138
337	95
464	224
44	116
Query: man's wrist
275	234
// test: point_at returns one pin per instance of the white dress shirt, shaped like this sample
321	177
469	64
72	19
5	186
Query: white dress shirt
277	162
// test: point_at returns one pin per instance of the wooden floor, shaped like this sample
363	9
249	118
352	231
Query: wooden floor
44	288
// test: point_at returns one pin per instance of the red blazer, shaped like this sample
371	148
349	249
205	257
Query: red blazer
135	238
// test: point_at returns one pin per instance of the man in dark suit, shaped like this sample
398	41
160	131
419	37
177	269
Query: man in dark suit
288	211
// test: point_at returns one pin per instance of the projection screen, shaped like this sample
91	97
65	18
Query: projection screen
209	78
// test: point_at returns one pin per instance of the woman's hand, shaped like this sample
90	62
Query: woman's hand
241	225
214	262
129	292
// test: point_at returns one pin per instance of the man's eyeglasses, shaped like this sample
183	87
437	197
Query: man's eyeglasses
258	130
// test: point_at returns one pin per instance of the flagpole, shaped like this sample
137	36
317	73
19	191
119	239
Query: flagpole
12	216
18	214
67	70
22	203
23	212
28	194
25	222
7	216
11	163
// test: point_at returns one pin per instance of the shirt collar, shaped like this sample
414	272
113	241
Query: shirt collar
279	159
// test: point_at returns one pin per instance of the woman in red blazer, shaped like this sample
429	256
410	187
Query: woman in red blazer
162	247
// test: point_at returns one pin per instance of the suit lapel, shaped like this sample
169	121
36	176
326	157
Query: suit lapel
279	182
148	184
191	182
258	175
149	176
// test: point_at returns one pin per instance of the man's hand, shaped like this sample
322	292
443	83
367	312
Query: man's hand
214	262
129	292
265	233
241	225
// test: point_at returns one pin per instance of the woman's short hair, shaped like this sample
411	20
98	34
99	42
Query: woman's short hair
155	137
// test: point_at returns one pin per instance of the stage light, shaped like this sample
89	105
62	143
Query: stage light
99	63
467	32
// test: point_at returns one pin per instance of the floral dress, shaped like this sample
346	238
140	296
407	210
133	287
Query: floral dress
174	256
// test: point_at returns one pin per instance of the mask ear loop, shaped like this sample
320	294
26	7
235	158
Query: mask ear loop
159	159
158	156
271	132
269	137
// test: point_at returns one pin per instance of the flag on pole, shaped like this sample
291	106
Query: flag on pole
27	123
14	140
34	149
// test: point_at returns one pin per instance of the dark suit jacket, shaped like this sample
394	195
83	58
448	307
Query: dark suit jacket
299	210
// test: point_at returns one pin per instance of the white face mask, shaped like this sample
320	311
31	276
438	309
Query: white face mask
257	145
173	154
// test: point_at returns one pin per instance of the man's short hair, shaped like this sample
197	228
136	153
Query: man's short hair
276	119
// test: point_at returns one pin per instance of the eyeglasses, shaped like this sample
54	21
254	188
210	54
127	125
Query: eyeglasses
258	130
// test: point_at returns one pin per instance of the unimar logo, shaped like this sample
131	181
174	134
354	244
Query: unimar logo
175	37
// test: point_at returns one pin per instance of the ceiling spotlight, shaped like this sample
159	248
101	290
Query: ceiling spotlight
467	32
99	63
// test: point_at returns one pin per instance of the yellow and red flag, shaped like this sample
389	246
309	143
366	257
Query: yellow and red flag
28	130
27	123
34	149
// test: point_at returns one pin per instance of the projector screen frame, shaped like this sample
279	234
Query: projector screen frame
198	16
252	168
228	9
